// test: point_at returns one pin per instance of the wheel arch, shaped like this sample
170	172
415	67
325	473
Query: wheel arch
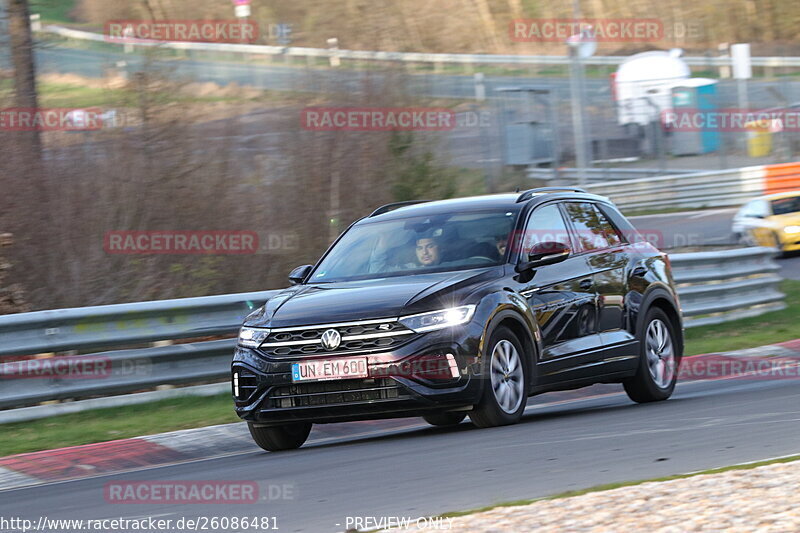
661	298
511	318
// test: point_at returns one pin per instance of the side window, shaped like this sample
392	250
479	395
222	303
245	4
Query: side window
612	235
593	231
545	225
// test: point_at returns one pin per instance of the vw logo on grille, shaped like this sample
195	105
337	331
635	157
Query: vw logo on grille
331	339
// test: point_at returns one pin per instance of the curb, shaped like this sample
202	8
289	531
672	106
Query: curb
90	460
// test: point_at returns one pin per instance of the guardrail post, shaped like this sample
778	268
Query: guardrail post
333	49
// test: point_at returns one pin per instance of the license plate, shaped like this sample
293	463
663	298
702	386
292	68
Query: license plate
328	369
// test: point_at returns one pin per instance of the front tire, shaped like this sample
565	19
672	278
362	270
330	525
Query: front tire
447	418
659	360
505	382
279	438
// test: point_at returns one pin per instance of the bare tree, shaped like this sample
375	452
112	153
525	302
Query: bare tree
25	94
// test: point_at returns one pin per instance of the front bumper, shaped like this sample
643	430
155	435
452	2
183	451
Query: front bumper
267	394
790	242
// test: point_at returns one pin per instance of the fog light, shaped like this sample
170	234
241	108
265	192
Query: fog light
451	360
236	384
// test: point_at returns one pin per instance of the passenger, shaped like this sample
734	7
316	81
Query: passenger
501	242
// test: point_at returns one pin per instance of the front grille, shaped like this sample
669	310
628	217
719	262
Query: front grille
247	381
333	393
356	337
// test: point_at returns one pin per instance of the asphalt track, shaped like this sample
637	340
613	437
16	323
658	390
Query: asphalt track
420	470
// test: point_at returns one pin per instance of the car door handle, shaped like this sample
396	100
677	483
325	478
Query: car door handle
640	271
586	283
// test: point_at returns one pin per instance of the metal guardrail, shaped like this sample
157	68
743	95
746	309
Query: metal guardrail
409	57
713	287
601	174
701	189
723	285
136	327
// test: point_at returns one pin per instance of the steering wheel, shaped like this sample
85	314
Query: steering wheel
481	258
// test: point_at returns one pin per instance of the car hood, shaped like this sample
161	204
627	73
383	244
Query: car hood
362	300
789	219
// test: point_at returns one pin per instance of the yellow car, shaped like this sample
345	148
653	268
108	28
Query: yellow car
772	220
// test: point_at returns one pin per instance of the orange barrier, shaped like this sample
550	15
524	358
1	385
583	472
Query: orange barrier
781	178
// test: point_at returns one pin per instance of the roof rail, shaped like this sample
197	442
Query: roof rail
389	207
527	195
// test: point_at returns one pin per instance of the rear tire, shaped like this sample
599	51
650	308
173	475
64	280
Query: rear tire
659	360
279	438
505	382
447	418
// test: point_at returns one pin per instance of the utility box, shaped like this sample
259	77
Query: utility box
695	97
529	126
528	143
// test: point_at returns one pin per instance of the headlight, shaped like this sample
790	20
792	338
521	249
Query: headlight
792	229
256	314
252	337
439	319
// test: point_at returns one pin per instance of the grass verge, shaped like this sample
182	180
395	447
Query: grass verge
63	95
769	328
53	11
102	425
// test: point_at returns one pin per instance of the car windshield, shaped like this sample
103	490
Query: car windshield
402	247
785	206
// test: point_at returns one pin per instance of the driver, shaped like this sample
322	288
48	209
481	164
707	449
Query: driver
428	251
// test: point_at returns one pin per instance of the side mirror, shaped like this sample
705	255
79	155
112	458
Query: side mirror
543	254
300	273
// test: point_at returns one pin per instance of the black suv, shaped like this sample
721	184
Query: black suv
461	307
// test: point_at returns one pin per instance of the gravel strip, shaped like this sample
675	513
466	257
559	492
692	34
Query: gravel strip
763	499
